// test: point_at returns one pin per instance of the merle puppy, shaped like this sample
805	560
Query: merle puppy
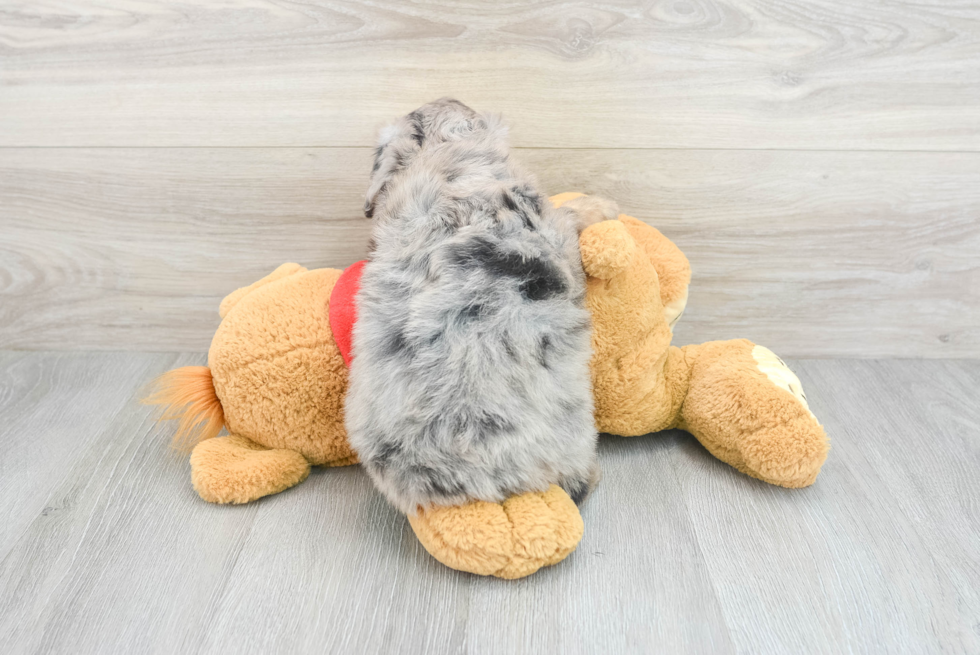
470	373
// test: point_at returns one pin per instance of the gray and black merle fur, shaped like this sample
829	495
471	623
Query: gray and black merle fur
470	373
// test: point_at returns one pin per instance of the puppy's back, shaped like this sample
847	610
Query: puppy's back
470	376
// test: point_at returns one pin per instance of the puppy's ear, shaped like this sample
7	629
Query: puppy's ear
378	182
397	143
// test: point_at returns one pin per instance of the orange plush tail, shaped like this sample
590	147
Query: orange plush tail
188	394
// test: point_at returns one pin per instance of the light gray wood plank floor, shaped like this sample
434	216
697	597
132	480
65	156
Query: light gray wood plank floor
104	546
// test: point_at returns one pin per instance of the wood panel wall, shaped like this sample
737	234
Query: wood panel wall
818	161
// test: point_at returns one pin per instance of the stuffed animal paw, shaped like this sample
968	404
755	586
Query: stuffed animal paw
509	540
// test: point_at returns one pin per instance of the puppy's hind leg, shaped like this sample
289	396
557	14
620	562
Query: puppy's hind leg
580	488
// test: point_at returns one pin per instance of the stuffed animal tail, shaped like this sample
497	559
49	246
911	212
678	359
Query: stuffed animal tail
187	394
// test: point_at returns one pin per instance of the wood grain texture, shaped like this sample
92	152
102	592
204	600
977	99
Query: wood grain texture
681	553
810	253
881	551
53	407
814	74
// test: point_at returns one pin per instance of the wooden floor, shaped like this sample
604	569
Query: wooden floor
106	548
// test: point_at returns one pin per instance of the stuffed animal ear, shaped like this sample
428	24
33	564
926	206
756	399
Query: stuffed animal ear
607	249
673	269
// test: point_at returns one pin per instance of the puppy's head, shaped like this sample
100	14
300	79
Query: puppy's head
401	142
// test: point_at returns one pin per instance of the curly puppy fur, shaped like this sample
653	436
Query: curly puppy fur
470	377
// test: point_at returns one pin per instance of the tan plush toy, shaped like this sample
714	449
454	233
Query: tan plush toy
277	376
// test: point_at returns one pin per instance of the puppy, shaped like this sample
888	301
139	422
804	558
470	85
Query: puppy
470	374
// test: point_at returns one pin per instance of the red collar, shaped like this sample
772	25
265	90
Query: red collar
343	309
